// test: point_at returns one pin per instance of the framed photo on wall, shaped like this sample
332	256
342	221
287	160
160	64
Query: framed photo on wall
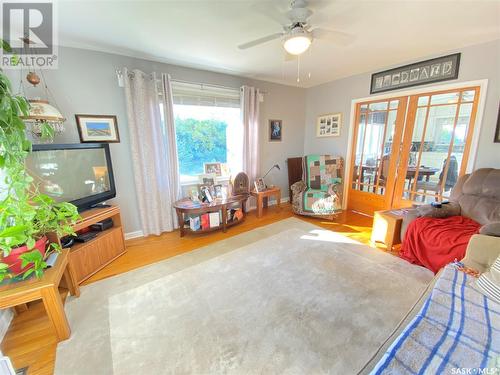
97	128
275	130
329	125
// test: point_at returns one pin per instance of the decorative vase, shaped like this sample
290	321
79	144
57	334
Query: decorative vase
13	260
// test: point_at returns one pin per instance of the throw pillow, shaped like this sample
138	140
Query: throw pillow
446	210
489	282
491	229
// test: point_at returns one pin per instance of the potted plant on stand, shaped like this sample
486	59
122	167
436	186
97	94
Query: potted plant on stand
26	215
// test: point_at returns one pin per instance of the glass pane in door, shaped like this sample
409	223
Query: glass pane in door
441	131
373	147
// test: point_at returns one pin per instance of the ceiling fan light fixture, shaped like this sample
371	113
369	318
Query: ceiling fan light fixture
298	42
297	45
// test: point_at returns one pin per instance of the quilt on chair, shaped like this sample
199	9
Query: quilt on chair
319	192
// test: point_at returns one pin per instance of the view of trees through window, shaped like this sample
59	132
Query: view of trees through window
198	142
206	134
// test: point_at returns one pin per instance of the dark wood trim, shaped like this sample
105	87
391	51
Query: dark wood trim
497	132
79	127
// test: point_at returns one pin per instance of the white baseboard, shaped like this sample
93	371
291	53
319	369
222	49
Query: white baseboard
271	203
136	234
139	233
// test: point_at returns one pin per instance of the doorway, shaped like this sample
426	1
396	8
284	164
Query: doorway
411	149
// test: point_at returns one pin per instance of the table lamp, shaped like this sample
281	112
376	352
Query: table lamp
270	169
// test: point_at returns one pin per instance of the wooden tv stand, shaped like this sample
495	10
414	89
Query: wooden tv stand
89	257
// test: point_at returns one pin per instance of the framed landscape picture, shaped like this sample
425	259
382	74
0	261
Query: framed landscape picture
97	128
329	125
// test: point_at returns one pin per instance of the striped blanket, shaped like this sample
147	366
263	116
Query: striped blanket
457	331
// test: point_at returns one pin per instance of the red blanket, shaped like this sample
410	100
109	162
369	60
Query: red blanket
433	243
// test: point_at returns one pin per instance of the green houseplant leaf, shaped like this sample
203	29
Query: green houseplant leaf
26	215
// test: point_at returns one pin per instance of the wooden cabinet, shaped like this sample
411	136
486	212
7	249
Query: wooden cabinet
89	257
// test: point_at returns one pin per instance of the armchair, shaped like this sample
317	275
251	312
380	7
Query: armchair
320	191
475	195
433	237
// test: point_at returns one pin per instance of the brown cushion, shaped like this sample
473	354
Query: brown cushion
491	229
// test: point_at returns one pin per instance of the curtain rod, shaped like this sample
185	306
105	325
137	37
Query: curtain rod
210	85
119	74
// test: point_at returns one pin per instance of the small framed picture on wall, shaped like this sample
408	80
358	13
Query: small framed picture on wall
329	125
275	130
97	128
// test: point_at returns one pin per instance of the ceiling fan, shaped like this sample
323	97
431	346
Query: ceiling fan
298	35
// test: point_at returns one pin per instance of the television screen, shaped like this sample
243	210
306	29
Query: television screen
81	174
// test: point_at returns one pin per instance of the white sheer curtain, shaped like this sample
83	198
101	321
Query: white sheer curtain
153	146
250	117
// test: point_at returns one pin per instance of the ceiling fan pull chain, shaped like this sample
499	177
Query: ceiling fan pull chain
298	68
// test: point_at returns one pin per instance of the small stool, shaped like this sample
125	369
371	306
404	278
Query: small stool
387	227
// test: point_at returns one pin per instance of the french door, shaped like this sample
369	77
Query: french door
436	145
410	150
375	152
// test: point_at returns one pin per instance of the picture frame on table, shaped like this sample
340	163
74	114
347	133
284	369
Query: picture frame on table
329	125
206	194
218	191
213	168
207	179
275	130
259	185
97	128
194	193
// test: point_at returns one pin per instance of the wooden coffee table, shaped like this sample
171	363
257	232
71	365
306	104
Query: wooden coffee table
46	288
188	207
263	198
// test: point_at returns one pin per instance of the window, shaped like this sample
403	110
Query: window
208	128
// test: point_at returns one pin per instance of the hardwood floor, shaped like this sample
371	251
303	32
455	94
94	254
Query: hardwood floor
30	341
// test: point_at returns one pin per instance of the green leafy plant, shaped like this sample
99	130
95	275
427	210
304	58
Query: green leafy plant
26	215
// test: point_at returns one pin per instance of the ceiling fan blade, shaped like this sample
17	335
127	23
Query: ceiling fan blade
256	42
337	37
270	10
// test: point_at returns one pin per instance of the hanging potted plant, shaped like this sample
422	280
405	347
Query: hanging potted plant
26	215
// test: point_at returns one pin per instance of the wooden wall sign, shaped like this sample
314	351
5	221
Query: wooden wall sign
421	73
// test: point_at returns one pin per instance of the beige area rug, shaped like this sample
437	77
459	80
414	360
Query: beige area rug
290	297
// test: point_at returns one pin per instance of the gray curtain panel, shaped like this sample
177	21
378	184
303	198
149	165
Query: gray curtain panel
153	148
250	117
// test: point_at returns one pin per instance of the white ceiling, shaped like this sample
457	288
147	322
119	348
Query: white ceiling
204	34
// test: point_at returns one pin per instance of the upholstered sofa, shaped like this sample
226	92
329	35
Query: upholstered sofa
320	191
475	195
481	253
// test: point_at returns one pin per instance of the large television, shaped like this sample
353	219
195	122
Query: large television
81	174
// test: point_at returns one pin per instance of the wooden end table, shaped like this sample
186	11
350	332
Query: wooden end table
188	207
387	227
46	288
263	198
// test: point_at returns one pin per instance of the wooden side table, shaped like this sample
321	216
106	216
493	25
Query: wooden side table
46	289
387	227
263	198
